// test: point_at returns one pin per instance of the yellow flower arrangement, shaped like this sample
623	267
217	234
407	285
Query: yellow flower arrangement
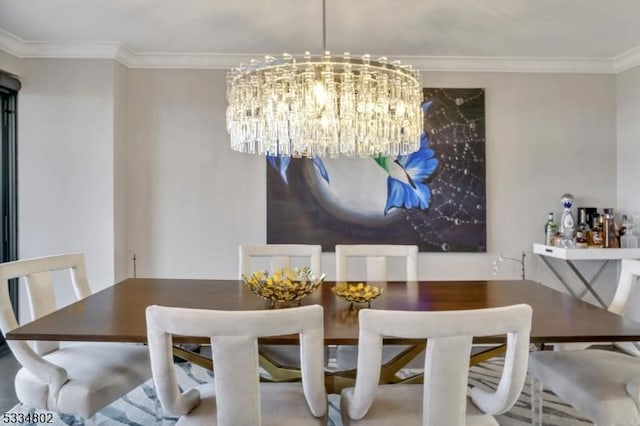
357	293
285	285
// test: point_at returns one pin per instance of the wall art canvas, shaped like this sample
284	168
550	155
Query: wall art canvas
434	198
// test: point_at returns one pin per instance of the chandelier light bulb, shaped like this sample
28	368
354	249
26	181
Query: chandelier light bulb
400	108
320	94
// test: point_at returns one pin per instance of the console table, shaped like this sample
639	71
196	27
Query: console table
569	255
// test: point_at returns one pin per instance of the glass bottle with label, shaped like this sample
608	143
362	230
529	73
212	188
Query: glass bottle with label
610	235
567	222
581	240
583	225
623	228
595	240
550	229
628	233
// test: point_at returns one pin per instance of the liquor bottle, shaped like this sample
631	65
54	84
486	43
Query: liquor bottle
567	223
625	224
581	240
623	228
583	225
590	212
595	240
550	229
609	233
628	233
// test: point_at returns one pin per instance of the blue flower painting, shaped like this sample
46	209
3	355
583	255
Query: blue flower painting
434	197
408	174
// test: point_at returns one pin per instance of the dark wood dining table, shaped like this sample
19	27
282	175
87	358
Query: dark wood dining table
117	313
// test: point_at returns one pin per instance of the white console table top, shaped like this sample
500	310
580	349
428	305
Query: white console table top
586	254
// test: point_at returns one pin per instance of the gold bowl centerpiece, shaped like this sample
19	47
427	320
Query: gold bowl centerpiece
285	285
357	293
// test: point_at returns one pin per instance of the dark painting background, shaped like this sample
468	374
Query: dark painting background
349	209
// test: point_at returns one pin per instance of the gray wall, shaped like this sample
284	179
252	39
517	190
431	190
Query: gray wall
628	136
628	151
10	63
191	199
65	163
122	268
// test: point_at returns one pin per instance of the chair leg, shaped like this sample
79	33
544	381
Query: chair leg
158	409
89	421
279	373
536	402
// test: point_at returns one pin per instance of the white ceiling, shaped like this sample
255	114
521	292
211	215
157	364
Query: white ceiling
569	35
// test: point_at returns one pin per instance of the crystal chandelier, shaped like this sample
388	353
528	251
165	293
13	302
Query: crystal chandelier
317	106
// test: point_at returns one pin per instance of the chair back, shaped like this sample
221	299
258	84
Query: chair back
234	340
450	335
37	275
40	291
280	256
376	256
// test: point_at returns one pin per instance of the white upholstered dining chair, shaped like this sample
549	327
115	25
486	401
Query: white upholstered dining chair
236	397
442	399
280	361
75	378
279	256
376	259
603	385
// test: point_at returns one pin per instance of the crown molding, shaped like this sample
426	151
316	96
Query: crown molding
61	50
627	60
509	64
187	60
11	44
132	59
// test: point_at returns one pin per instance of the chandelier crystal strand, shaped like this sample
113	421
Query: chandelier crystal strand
318	106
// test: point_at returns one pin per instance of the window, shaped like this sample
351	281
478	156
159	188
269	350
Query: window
9	87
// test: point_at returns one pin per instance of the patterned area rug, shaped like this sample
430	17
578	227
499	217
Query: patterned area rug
139	407
555	411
